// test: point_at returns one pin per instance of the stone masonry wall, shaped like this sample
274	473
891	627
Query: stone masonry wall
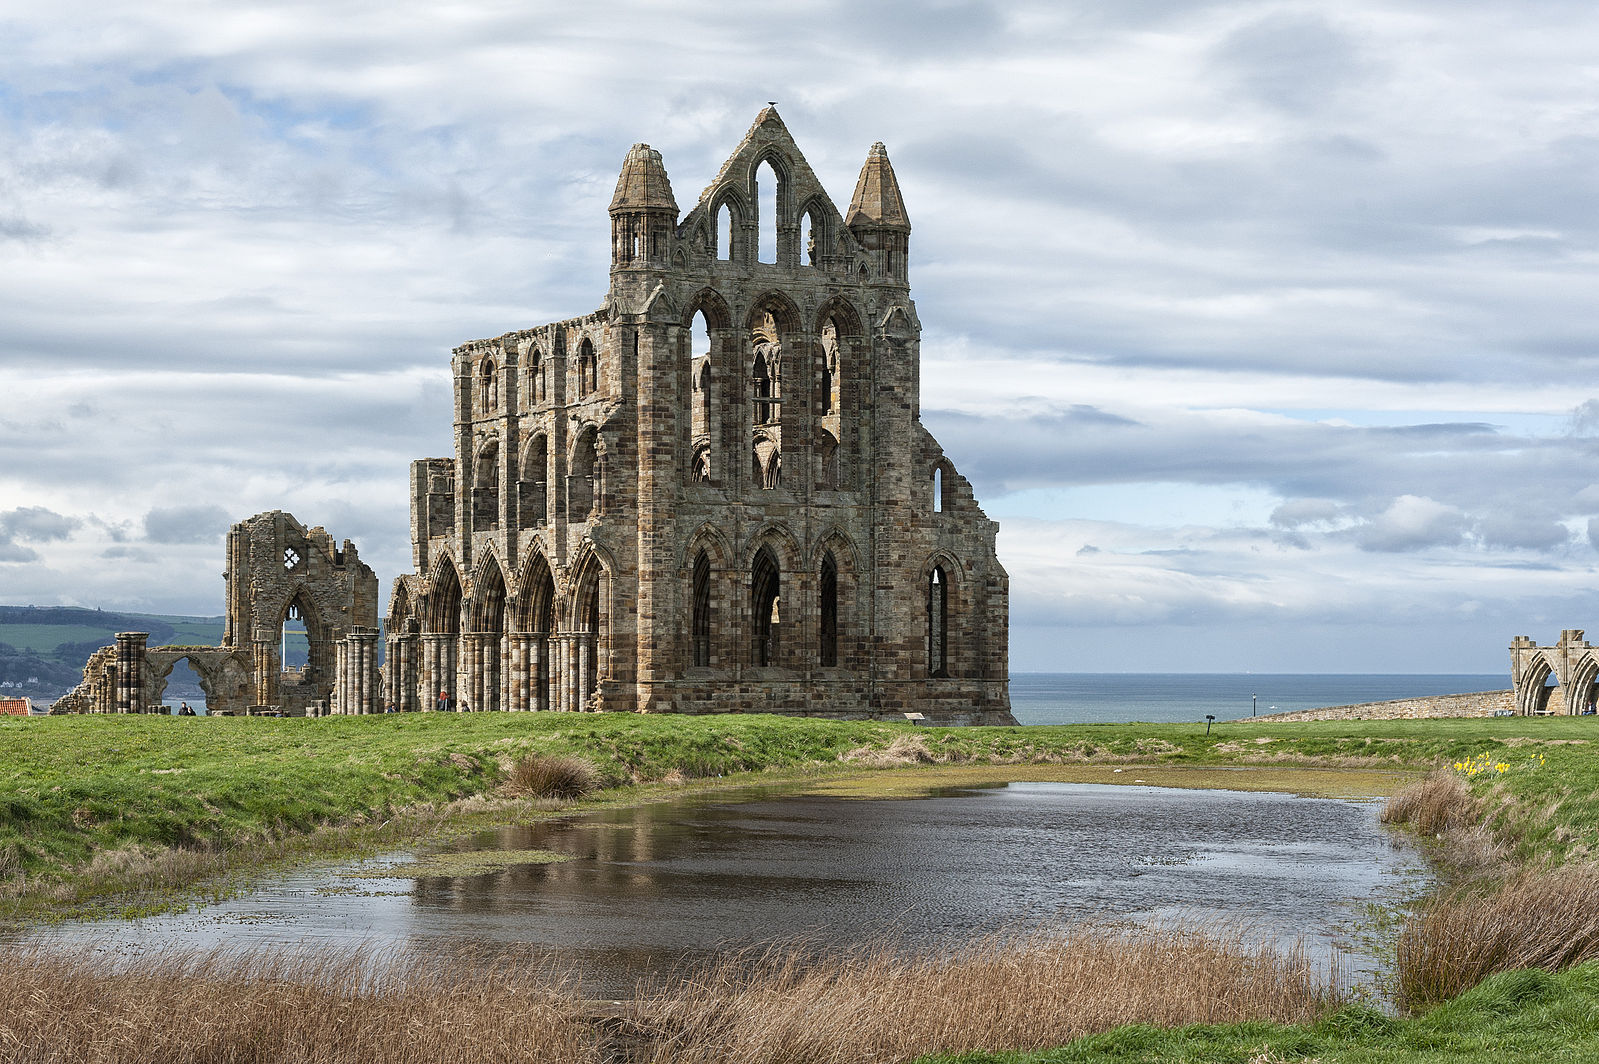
1480	704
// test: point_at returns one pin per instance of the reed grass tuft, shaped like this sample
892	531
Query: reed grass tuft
1542	918
552	776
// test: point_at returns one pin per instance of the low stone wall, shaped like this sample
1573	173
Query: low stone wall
1478	704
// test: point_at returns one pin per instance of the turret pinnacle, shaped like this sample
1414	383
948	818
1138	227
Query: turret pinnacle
643	183
877	202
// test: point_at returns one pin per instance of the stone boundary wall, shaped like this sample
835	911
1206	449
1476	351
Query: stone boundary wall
1478	704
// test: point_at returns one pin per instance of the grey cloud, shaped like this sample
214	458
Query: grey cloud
12	551
37	524
1297	512
185	524
1520	532
1292	61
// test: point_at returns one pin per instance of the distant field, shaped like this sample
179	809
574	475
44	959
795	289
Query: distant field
44	638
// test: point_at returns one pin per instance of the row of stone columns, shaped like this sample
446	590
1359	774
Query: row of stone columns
520	671
357	687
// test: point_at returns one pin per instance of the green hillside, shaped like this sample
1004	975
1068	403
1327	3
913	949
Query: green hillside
43	648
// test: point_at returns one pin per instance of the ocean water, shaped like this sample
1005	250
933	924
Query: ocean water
1086	697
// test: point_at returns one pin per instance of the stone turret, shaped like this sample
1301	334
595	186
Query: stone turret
643	212
877	216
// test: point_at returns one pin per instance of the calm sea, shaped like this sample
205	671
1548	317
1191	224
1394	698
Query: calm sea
1082	697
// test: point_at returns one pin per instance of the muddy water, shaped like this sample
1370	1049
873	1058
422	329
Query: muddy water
647	887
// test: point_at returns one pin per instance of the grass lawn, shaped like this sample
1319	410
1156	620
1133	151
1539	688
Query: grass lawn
1515	1016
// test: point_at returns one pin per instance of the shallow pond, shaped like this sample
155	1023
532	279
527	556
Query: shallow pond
645	887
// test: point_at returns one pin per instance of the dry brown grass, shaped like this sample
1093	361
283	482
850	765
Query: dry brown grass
220	1008
1537	919
904	750
877	1004
546	776
790	1004
1432	806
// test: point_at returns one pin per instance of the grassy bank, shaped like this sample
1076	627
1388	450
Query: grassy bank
92	807
1519	1015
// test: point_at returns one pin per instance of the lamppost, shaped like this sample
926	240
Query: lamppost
1253	699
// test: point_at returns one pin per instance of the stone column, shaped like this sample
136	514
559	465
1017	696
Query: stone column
130	671
341	676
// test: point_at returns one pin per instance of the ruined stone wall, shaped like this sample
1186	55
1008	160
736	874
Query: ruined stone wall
1479	704
642	515
275	567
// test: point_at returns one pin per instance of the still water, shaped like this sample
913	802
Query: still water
647	888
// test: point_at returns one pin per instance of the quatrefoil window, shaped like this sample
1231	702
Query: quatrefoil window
291	557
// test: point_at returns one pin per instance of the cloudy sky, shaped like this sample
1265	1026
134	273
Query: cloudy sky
1267	330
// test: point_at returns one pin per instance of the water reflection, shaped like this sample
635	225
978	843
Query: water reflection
646	886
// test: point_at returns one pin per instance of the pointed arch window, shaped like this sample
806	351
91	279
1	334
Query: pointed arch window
587	368
766	588
486	488
724	233
490	388
702	610
535	376
937	622
767	199
828	641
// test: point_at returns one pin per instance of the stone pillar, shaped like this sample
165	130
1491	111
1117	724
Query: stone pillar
341	677
365	686
538	683
130	671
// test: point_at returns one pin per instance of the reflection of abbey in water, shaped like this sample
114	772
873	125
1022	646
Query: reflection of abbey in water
713	493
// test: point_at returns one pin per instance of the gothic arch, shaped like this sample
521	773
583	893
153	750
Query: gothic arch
709	302
534	609
444	597
709	538
1583	690
785	313
845	317
782	542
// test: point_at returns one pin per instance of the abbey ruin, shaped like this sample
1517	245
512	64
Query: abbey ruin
712	494
277	571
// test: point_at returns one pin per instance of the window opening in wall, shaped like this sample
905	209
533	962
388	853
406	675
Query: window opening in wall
827	473
700	382
724	233
766	212
937	623
938	489
294	645
535	376
808	238
829	596
591	645
702	610
486	488
491	387
587	368
291	557
536	482
581	487
765	607
830	366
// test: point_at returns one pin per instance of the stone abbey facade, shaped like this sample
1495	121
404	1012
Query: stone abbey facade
714	493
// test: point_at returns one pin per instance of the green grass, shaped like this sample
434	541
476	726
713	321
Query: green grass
1522	1015
44	638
